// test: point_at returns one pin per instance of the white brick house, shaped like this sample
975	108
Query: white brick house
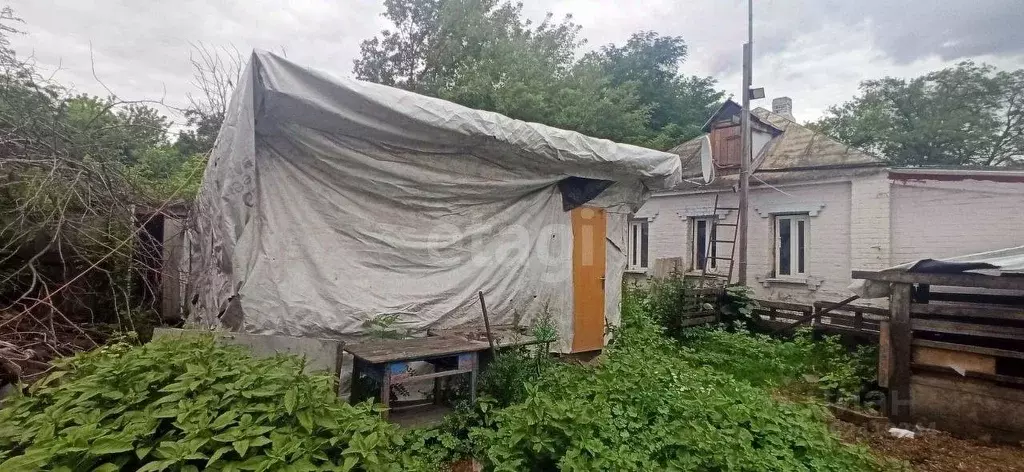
819	209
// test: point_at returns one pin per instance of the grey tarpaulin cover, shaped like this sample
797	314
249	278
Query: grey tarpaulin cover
327	201
998	262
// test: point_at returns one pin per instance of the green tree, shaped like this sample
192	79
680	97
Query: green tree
679	104
967	115
201	133
108	130
484	54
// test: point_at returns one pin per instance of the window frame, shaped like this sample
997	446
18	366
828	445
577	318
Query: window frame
638	245
799	260
710	232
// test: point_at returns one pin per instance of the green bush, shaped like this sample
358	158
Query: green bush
664	301
190	405
451	441
507	375
737	307
762	360
647	407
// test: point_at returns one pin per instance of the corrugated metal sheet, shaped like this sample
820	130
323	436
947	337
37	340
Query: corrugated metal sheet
1009	261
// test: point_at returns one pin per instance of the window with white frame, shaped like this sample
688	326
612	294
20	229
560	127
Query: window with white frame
792	240
702	248
637	247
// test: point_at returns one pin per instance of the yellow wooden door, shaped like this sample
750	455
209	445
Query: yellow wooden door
588	230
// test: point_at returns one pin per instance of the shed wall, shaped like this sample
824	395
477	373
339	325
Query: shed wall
935	219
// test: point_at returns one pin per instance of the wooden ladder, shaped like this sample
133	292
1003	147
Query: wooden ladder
715	278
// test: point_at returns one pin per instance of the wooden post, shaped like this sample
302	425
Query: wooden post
354	392
385	390
438	391
900	345
884	355
487	323
858	320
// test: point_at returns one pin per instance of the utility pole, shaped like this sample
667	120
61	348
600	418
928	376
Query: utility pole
745	141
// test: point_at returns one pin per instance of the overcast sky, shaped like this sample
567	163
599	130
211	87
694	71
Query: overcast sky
815	51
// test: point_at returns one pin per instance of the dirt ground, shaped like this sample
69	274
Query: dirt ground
936	451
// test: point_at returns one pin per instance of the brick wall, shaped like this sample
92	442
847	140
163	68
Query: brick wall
934	219
870	223
849	227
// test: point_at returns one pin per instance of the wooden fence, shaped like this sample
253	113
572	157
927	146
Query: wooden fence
955	357
856	320
701	316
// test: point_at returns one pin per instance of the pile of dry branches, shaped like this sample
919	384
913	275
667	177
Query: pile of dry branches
70	268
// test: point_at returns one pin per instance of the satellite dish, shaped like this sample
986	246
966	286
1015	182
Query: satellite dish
706	164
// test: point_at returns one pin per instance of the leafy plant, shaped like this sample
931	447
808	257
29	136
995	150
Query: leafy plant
668	299
451	441
650	405
822	367
544	329
510	372
184	405
384	326
738	306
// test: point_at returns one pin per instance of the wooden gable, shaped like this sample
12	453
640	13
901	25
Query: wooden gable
726	145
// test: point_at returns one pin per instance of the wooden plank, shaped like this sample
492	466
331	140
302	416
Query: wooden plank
850	323
959	360
874	310
987	312
842	330
432	375
826	308
783	315
970	374
816	313
969	329
388	350
785	306
884	354
977	298
900	336
956	280
991	351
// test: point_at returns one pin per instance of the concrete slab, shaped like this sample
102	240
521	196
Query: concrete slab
322	355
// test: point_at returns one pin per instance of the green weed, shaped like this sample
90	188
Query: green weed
186	405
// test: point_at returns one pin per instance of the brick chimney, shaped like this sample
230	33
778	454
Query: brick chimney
783	106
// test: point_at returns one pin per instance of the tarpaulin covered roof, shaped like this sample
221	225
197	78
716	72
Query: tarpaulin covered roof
1009	261
327	201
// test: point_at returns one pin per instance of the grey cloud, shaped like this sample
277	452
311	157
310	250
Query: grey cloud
815	50
906	31
141	48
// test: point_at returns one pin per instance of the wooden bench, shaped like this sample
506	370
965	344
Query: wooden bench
387	361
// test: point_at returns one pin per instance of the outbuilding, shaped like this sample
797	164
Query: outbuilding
327	202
